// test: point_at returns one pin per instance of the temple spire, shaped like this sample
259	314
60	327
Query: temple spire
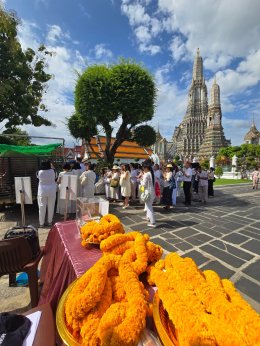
198	68
215	94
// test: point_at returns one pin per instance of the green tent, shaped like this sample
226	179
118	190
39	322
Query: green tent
35	150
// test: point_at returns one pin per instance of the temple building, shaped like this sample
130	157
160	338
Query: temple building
214	137
162	147
253	135
201	132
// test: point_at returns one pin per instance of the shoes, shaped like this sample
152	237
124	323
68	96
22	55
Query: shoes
41	226
126	206
152	225
121	204
49	223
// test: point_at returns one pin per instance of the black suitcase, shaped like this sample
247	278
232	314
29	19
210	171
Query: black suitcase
30	233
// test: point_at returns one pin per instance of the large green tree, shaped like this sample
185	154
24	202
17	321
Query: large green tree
22	77
22	137
119	96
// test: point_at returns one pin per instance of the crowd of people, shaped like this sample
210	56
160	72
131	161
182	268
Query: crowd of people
148	183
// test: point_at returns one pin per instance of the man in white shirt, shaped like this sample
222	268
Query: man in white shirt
187	176
203	185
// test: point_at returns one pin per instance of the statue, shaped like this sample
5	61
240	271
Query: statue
234	163
212	162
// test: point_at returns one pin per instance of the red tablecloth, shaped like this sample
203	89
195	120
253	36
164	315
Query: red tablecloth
64	260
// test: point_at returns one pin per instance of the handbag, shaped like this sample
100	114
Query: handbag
145	196
114	183
30	233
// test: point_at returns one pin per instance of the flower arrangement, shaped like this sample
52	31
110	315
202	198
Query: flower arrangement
204	309
108	305
96	231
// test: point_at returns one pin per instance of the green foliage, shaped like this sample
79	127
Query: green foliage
22	77
204	164
124	92
13	140
244	150
219	171
144	135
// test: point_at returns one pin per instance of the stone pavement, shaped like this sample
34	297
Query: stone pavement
223	235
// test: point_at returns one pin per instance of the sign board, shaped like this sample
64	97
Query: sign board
70	182
23	184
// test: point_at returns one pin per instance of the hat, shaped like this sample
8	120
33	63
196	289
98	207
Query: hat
169	166
115	167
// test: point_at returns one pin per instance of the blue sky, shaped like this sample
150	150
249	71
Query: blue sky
164	36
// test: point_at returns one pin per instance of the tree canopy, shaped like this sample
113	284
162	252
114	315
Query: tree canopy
15	140
119	96
22	77
248	155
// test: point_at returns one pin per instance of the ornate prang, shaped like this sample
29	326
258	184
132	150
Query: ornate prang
201	132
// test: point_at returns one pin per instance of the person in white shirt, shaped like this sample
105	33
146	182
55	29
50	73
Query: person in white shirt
107	180
202	176
61	203
148	184
82	166
46	195
255	178
87	180
187	176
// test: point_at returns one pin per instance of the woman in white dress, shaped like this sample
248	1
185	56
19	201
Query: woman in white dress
114	184
107	181
46	195
61	204
148	184
125	184
87	180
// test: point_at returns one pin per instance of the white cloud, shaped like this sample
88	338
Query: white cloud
144	26
143	34
222	29
135	13
101	52
177	48
55	34
171	102
150	48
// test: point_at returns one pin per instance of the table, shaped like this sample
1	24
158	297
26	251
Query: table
64	260
45	334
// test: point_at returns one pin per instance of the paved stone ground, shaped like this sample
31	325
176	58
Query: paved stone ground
223	235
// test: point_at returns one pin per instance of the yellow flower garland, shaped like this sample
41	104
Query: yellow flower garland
204	309
95	232
109	297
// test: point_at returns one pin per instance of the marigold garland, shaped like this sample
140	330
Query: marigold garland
204	309
109	297
96	231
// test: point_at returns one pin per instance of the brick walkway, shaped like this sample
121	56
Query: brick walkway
224	236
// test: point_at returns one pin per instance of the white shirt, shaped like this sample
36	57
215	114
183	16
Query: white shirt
168	179
188	172
203	182
147	182
47	185
89	184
